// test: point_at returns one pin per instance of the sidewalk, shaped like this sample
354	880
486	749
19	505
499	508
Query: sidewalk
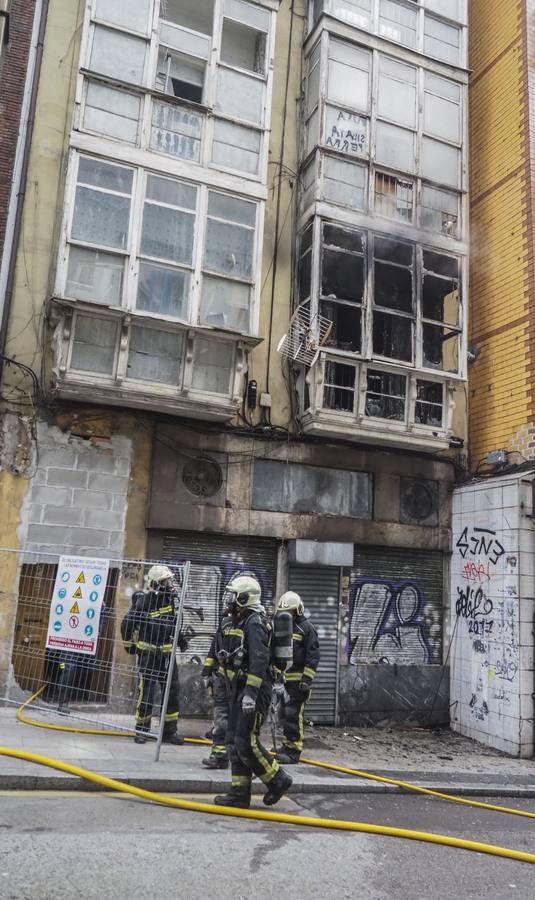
437	759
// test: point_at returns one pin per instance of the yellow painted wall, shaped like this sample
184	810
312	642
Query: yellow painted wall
499	287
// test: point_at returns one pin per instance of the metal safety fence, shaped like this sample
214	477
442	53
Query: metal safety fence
84	654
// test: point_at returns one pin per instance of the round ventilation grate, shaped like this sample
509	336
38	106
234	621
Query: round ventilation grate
202	476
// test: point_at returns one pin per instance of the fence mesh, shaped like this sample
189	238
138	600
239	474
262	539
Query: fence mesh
76	658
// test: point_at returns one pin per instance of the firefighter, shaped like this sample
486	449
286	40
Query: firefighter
245	661
148	629
298	679
217	687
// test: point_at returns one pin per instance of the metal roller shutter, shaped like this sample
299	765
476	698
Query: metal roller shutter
396	606
214	558
319	588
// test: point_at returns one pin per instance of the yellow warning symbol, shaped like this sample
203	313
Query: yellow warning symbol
75	608
77	594
81	578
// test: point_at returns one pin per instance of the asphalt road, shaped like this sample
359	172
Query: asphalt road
65	846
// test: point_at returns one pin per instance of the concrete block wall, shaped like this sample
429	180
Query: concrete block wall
77	498
492	608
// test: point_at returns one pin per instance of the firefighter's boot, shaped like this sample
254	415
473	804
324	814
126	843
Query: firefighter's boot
238	797
216	761
287	757
173	738
140	737
277	787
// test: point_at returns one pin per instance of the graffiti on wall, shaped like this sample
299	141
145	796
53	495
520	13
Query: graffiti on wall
486	610
389	622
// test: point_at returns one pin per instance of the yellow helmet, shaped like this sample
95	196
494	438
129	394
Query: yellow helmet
291	602
243	591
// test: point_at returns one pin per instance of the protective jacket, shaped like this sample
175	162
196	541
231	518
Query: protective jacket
243	652
306	652
211	663
150	623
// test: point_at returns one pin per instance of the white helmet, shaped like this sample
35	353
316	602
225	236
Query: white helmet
291	602
159	573
244	591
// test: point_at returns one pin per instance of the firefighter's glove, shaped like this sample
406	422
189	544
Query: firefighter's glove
248	705
208	683
304	689
280	694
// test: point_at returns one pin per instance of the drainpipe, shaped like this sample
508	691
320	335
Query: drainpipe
20	170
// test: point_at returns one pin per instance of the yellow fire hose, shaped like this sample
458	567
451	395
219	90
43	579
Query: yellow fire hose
284	818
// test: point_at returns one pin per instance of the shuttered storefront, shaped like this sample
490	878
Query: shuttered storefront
319	589
396	606
215	559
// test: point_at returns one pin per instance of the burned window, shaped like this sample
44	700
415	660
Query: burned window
385	395
342	285
429	408
339	387
440	311
393	275
394	197
304	273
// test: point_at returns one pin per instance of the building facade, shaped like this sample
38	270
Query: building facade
200	172
492	587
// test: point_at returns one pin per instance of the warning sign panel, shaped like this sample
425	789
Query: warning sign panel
76	604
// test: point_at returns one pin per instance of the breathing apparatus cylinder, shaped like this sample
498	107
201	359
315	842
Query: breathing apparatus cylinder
282	645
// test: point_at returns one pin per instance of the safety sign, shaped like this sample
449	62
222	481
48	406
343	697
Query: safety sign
73	624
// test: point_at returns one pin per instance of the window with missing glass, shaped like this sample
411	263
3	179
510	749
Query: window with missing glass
386	395
441	325
393	299
342	285
339	382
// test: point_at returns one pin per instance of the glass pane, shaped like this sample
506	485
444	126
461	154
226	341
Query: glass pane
96	276
348	76
229	249
100	218
346	328
395	147
451	9
344	183
346	132
304	275
243	47
312	132
132	16
236	147
429	403
225	304
93	348
176	131
440	347
195	14
392	336
393	251
110	112
222	206
339	389
442	117
154	355
240	96
342	276
343	237
394	197
167	233
397	92
313	90
212	361
190	44
247	12
440	211
118	55
180	75
397	23
356	12
105	175
163	291
441	162
385	395
441	40
174	193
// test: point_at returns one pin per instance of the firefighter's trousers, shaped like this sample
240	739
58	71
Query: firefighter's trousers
248	756
220	715
292	718
152	672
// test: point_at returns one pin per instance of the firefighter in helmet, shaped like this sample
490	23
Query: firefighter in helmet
148	630
298	678
219	690
245	662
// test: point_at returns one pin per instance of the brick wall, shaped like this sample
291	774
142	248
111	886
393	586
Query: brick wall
13	64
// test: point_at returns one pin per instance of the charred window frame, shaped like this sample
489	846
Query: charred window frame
386	395
441	311
393	299
304	265
339	386
342	284
429	403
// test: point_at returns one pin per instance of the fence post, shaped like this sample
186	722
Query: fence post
172	658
